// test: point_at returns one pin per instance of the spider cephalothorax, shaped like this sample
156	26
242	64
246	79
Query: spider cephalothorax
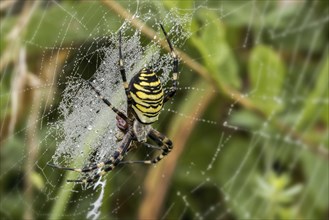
145	100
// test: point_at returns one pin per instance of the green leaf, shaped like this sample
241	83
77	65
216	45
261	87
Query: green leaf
266	73
215	50
275	188
313	105
245	119
186	4
37	180
5	107
316	174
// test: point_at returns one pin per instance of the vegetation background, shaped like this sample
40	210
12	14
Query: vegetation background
264	96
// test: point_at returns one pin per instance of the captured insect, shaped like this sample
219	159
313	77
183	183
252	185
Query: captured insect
145	99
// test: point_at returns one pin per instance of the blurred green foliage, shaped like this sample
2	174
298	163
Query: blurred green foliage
210	40
276	54
267	73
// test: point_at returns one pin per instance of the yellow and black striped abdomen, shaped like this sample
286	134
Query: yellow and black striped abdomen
147	96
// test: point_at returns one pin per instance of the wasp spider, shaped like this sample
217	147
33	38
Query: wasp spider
145	99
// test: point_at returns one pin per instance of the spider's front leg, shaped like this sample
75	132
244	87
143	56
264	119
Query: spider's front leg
107	102
172	91
123	71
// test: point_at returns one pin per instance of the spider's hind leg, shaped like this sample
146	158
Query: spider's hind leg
164	145
115	159
164	142
88	168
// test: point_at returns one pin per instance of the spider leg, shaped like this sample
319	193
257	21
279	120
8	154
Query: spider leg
118	156
151	146
123	71
114	156
169	94
90	168
107	102
164	144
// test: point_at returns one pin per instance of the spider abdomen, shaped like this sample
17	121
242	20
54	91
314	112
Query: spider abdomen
147	96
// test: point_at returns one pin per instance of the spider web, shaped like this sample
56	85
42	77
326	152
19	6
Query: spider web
97	133
260	153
